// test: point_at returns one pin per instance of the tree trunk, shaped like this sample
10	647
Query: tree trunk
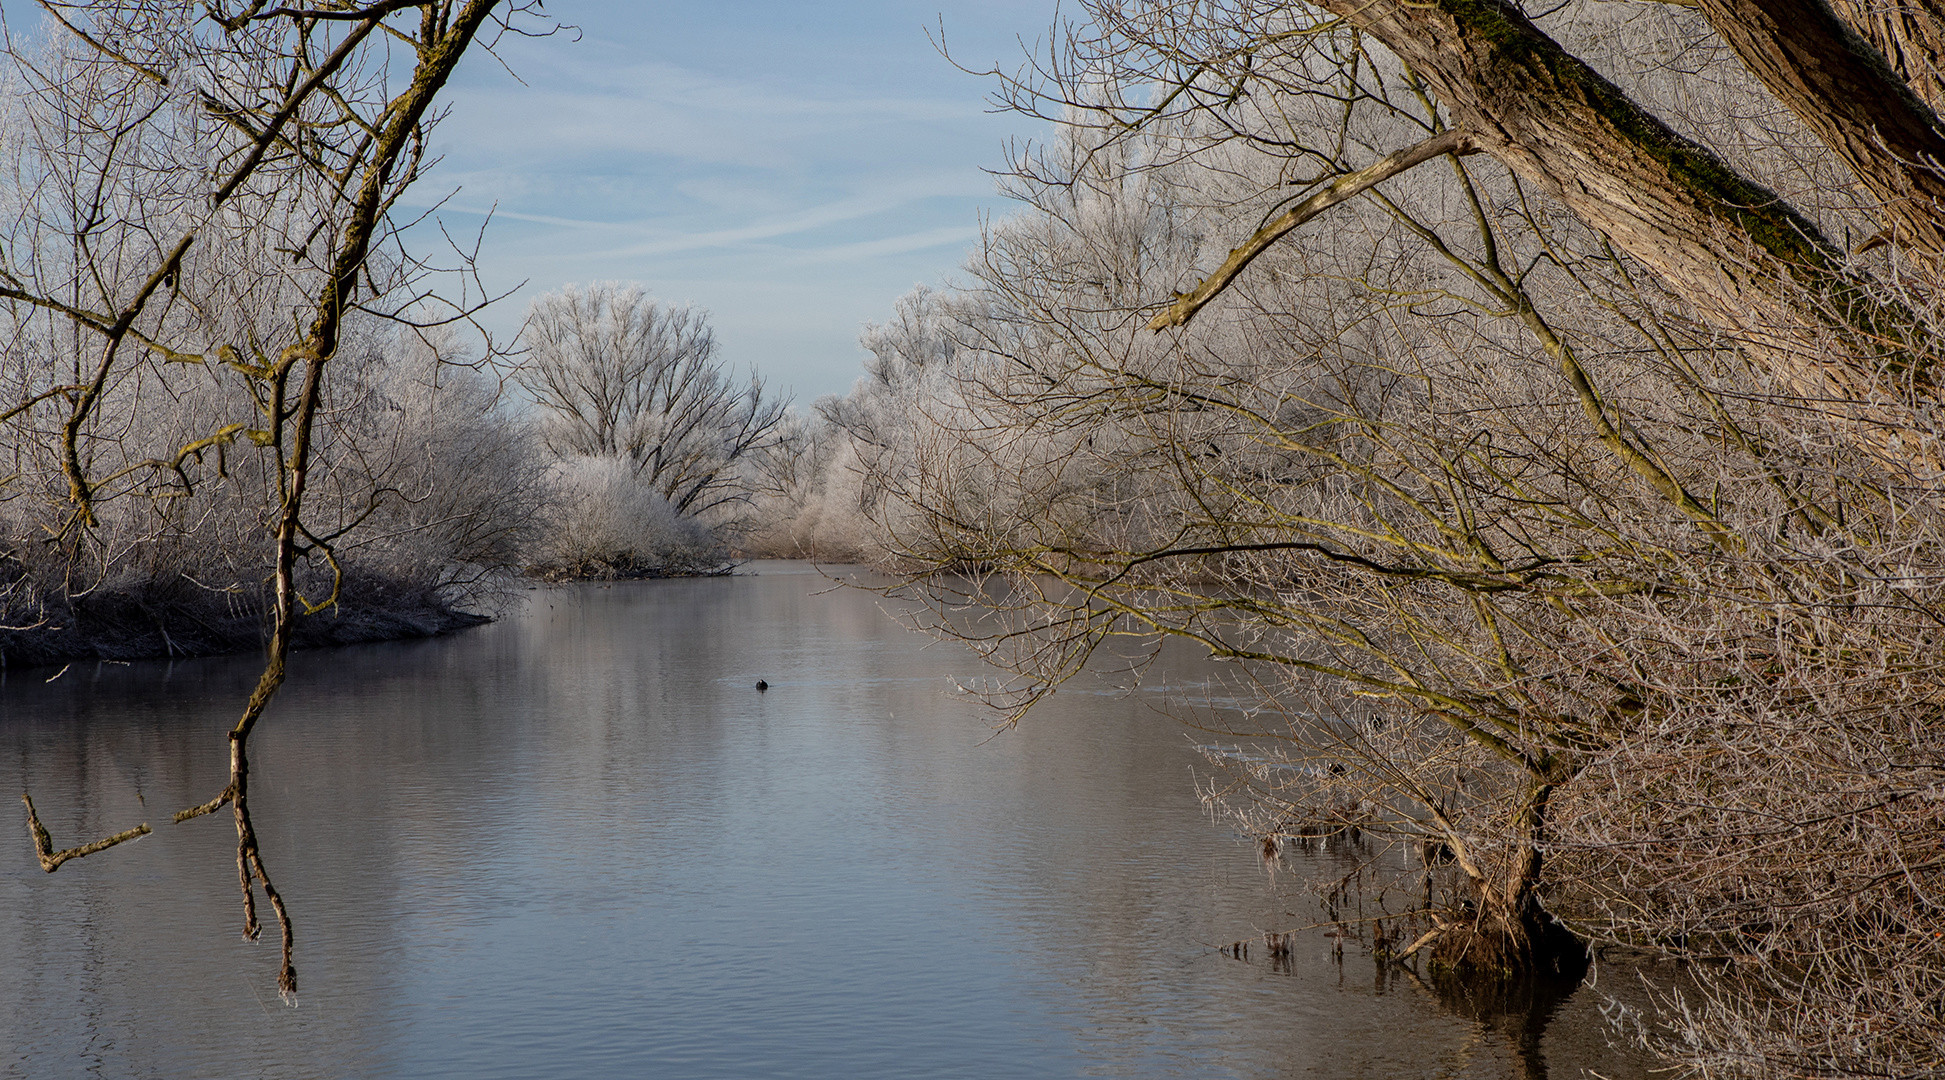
1508	933
1748	265
1910	35
1840	86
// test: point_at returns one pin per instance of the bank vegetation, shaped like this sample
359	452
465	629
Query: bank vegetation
1539	406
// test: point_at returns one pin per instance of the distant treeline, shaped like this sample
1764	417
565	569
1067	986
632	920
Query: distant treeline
615	445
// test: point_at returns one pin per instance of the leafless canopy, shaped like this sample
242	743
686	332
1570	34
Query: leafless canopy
1541	411
618	375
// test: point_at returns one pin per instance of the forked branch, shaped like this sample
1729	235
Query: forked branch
51	860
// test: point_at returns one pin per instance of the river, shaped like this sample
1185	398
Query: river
578	842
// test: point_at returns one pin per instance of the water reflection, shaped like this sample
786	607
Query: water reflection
579	842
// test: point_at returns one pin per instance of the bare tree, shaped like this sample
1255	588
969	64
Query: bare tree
620	378
221	180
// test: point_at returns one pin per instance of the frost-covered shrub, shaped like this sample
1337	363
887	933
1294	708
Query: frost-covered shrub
424	493
607	520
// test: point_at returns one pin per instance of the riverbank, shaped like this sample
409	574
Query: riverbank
192	621
159	625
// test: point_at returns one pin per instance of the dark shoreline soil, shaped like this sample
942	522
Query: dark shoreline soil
122	628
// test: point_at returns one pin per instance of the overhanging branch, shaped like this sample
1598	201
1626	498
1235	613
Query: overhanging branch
1344	188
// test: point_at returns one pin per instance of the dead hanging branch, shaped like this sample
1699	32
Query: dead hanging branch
51	860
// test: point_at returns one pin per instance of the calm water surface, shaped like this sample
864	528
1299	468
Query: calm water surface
579	843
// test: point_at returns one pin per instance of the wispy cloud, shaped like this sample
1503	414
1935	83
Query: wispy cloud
577	111
666	235
729	152
957	237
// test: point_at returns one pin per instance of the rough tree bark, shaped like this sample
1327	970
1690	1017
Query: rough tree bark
1910	35
1843	89
1751	267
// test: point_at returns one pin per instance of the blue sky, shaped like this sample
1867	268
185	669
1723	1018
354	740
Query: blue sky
791	167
